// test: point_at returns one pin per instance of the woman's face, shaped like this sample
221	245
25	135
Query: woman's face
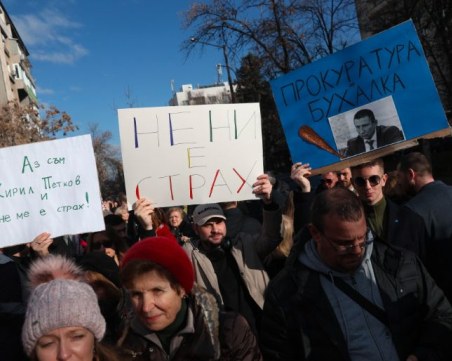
66	343
175	219
155	302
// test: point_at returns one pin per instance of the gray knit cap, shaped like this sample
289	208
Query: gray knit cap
61	303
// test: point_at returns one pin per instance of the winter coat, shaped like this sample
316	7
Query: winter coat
299	323
248	252
207	335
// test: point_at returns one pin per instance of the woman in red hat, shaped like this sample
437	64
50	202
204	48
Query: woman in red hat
174	319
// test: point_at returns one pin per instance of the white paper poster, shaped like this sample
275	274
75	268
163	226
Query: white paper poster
49	186
191	154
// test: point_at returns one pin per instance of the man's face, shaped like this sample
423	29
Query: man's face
365	127
345	177
364	181
341	245
329	179
213	231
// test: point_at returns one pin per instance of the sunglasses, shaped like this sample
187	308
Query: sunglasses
373	180
105	244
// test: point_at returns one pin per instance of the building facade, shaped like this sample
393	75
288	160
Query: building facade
16	82
208	94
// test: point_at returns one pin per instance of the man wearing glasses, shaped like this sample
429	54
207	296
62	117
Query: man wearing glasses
385	219
344	297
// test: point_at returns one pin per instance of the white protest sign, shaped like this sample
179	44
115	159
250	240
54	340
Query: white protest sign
50	187
191	154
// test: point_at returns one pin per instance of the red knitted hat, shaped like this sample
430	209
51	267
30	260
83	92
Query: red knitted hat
167	253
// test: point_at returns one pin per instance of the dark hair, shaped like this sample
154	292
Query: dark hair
376	162
365	113
158	217
337	201
416	161
136	268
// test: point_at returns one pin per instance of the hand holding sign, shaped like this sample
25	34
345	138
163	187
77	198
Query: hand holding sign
41	244
299	174
262	188
143	209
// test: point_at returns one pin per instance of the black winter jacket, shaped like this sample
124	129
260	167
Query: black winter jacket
299	323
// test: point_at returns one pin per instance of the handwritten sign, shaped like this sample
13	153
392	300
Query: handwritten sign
191	154
330	99
50	187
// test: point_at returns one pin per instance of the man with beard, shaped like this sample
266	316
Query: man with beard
345	179
432	201
342	296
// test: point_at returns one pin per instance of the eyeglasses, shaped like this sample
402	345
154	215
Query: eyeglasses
373	180
342	249
327	181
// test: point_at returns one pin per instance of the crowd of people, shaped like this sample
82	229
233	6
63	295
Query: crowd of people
356	268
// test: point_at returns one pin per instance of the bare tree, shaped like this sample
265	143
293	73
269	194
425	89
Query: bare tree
433	21
284	34
108	162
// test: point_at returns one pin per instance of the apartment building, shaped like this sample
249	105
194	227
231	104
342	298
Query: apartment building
16	82
205	94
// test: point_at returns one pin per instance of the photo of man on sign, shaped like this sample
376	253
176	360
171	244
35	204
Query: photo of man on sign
367	128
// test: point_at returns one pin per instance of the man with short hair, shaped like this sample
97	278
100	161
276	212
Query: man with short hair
343	297
384	218
371	135
328	180
345	179
432	201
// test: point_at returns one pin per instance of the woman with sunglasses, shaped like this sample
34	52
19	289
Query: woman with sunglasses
108	243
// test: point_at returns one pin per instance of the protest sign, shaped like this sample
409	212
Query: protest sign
370	95
191	154
49	186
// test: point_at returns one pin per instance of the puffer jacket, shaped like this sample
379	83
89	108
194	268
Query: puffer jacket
208	335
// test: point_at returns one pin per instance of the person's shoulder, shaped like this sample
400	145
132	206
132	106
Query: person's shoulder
389	130
354	140
392	256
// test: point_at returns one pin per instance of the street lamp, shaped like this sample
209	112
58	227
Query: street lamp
226	62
